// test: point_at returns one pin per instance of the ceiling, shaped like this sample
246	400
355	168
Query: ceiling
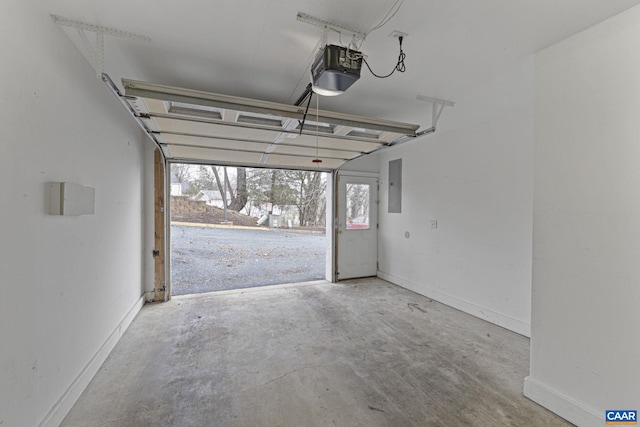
258	49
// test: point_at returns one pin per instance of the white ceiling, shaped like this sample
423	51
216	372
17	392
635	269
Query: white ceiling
258	49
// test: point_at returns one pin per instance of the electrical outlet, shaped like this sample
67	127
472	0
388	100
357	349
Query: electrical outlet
434	223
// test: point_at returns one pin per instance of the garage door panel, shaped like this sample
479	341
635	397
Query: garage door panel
213	155
155	106
202	126
213	129
282	149
333	143
213	143
312	151
222	132
303	162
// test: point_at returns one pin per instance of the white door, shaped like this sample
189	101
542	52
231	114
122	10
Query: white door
357	227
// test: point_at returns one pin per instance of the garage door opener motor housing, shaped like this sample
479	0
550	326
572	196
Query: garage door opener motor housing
335	69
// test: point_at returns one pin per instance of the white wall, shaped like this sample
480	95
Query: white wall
586	271
369	163
66	283
474	177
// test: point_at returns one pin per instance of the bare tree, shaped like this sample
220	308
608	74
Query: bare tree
357	200
269	187
238	195
233	198
241	197
310	188
181	171
220	185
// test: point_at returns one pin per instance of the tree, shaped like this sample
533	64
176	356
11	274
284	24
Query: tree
241	196
269	187
243	188
181	171
200	179
220	185
234	194
310	188
357	200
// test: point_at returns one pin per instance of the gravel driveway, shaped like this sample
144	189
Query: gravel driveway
216	259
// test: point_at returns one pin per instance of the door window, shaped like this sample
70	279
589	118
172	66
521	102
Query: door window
357	212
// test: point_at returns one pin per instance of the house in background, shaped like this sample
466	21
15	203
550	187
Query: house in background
177	188
211	198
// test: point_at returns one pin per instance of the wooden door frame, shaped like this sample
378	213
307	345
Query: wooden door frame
160	228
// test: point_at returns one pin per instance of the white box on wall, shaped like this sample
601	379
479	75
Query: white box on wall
66	198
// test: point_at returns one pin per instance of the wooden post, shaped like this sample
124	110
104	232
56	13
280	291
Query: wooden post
159	228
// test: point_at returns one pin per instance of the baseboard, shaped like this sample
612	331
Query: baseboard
515	325
71	395
561	405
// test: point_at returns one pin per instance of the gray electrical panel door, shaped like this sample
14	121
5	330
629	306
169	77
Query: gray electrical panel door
395	186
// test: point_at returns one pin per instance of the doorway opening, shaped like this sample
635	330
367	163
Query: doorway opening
357	222
237	227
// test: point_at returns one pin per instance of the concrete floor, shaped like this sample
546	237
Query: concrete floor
356	353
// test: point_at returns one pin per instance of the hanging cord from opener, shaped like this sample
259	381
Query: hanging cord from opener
317	160
400	67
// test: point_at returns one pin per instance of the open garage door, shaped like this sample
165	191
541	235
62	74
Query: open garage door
234	228
191	126
204	127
